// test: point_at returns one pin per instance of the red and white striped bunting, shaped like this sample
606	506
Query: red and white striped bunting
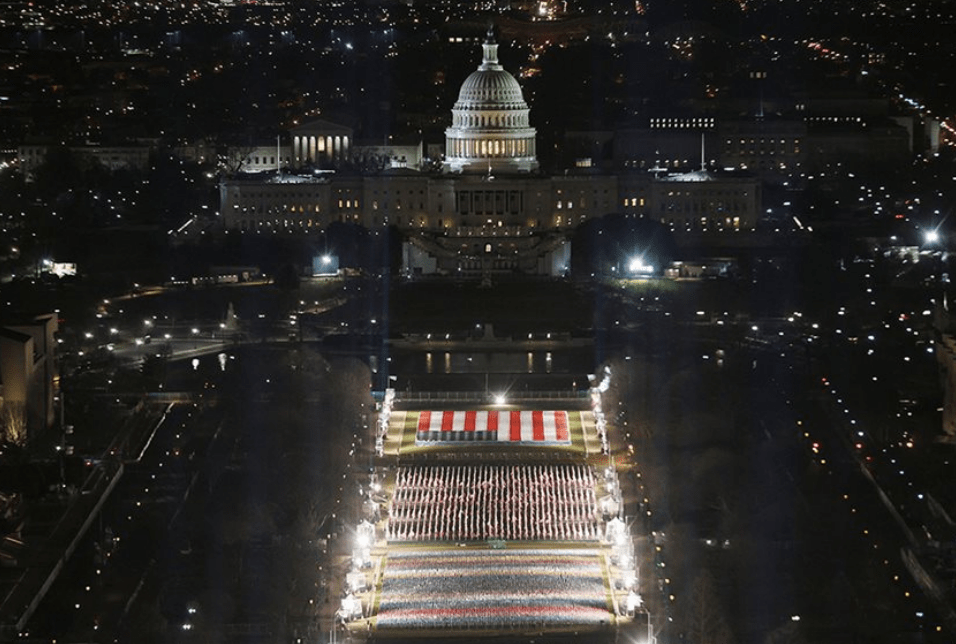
501	426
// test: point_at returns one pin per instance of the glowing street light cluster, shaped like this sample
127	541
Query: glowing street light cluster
599	419
383	420
637	266
356	581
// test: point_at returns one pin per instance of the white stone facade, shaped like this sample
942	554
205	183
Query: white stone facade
490	130
320	142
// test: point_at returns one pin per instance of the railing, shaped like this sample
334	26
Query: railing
537	456
529	627
452	396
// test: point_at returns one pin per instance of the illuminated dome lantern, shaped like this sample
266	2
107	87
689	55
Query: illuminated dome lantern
490	130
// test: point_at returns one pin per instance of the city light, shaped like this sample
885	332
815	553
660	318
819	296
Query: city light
763	263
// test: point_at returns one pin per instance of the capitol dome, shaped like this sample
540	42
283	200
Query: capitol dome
490	128
490	87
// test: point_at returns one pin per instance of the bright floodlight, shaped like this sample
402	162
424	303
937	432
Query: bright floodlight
637	265
500	399
931	236
326	259
633	601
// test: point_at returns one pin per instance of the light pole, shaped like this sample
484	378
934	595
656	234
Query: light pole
931	240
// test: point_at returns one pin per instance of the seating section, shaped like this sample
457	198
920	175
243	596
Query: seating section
479	502
493	589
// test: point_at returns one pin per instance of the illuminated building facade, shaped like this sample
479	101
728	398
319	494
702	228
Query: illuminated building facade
490	129
320	142
489	210
28	371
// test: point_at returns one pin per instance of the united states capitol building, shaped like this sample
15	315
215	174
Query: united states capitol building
486	207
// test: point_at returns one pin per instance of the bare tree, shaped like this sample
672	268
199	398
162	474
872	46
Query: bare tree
787	634
236	157
13	422
705	621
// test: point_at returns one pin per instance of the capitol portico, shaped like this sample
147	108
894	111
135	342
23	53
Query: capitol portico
319	142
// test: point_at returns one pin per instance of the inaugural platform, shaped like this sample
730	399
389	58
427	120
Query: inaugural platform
545	427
